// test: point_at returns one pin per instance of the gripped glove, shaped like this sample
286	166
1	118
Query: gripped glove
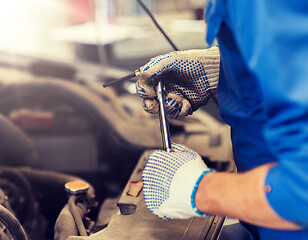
170	182
190	79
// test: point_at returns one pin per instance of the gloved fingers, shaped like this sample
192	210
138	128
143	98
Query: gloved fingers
150	105
177	107
182	112
179	147
177	151
173	102
144	89
186	108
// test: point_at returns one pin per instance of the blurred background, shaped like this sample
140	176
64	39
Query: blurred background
59	124
56	28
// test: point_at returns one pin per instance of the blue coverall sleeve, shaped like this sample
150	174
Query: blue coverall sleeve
273	37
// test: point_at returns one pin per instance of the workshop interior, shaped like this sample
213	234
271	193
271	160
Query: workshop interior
72	151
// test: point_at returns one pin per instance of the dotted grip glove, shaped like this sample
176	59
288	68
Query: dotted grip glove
190	79
170	182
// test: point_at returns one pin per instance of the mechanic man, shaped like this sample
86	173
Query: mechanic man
263	95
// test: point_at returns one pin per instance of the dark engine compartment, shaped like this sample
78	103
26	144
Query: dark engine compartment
58	126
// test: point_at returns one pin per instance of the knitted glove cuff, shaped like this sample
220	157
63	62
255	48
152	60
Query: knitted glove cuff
193	195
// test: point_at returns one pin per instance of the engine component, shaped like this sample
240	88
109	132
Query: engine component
77	190
74	212
136	222
15	146
12	224
76	187
24	192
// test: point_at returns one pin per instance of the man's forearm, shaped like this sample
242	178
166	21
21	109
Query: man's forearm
239	196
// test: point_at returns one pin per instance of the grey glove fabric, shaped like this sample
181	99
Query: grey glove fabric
190	79
170	182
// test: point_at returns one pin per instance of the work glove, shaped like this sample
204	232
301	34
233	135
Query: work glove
190	80
170	182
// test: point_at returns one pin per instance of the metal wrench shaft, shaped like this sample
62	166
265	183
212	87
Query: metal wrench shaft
164	126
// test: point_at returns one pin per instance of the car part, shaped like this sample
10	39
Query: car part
15	147
31	195
12	224
135	222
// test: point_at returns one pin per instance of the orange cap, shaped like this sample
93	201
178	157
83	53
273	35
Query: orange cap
76	187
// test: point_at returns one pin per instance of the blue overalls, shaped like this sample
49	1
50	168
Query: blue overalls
263	96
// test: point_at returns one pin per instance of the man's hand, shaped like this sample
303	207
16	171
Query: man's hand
191	79
170	182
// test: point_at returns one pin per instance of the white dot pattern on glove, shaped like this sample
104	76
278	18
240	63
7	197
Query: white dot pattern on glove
158	174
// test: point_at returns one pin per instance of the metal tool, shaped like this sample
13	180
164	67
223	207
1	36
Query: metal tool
164	126
127	77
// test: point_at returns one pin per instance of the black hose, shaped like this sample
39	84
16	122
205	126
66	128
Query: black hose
4	201
54	179
76	215
12	224
16	178
16	149
65	225
69	221
72	213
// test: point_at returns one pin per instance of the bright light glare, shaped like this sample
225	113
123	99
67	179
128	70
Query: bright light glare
25	26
